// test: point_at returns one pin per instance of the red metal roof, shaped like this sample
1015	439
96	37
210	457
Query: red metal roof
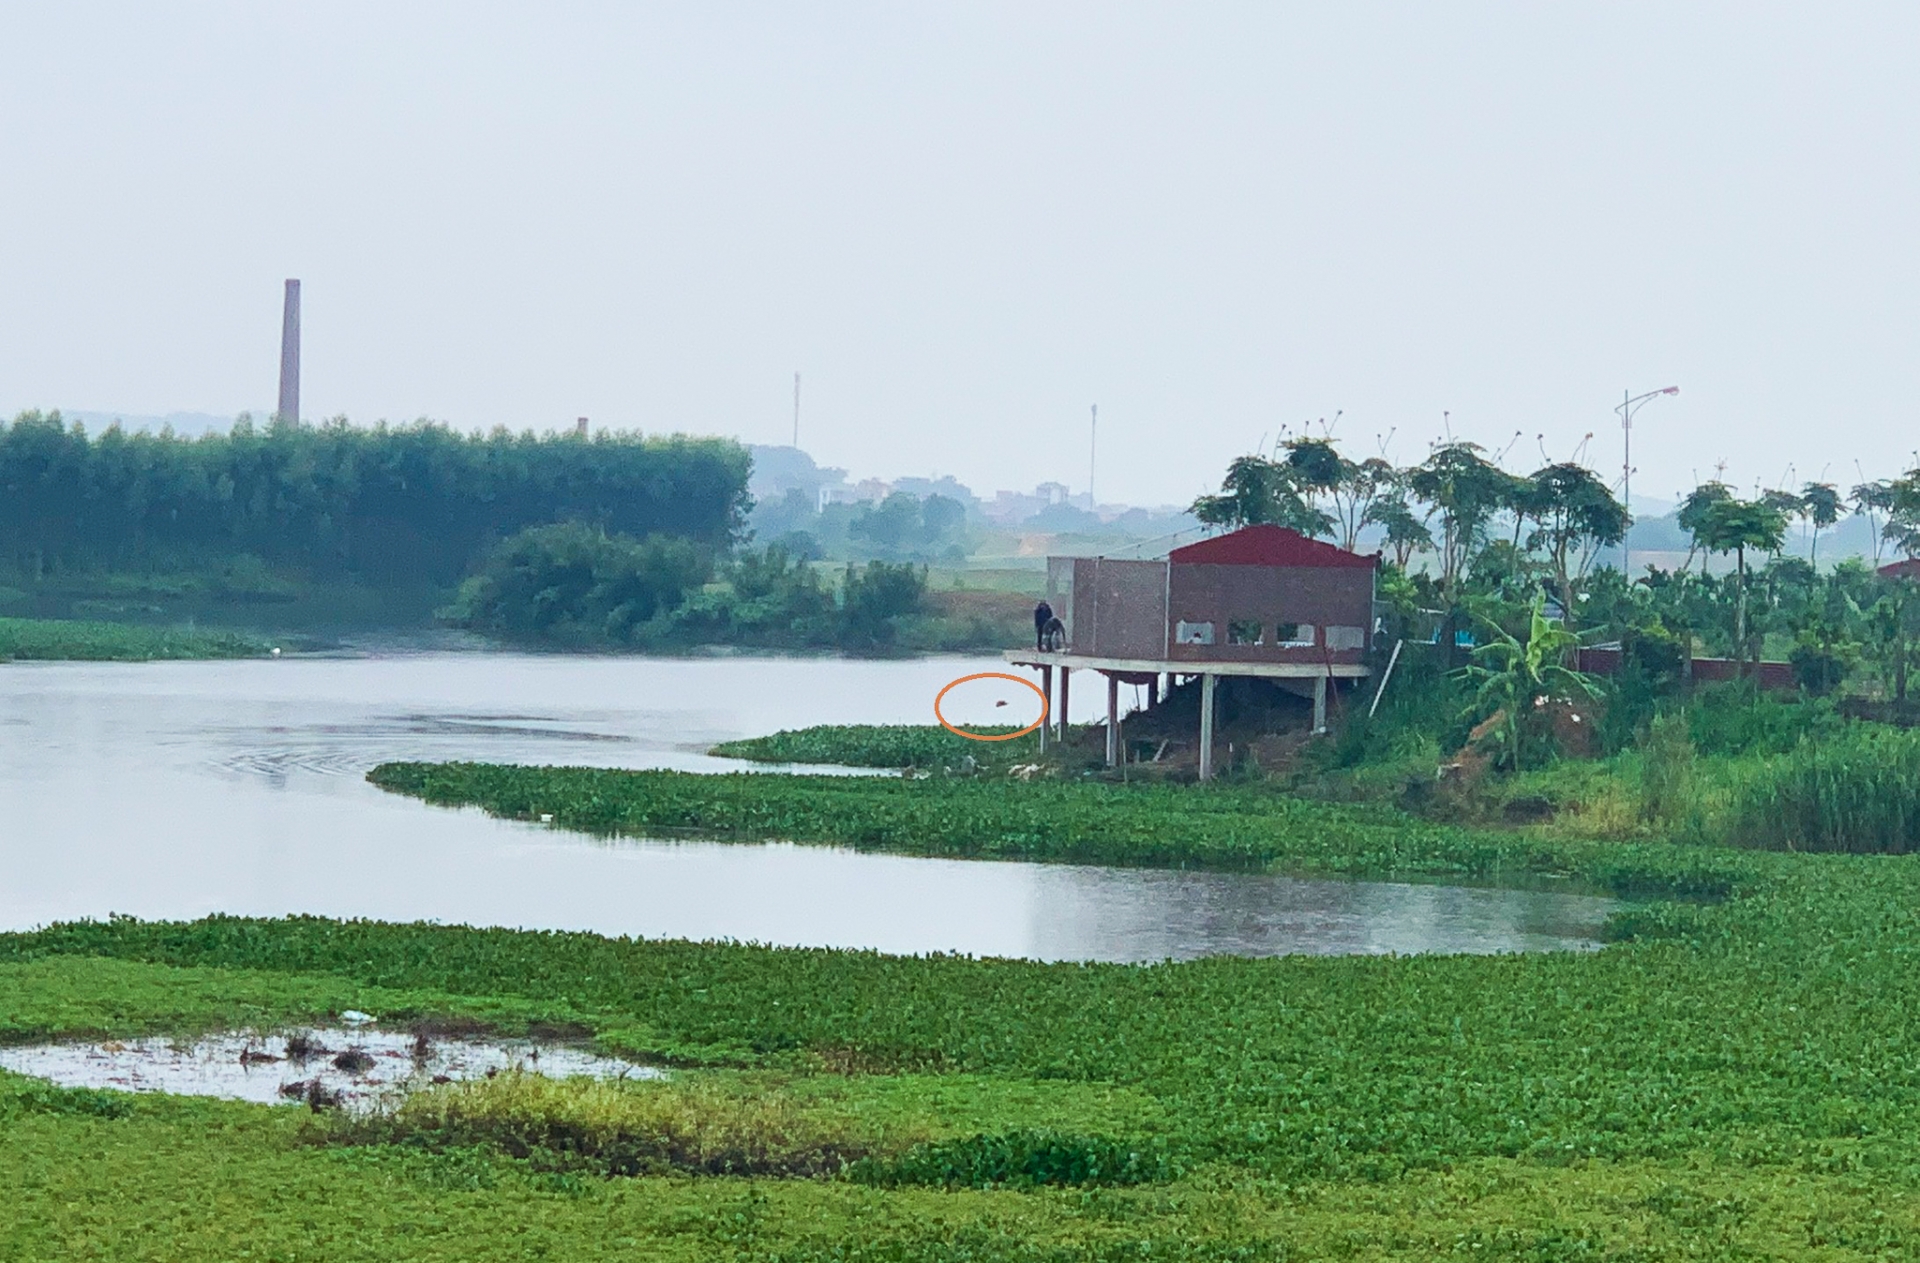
1269	546
1908	569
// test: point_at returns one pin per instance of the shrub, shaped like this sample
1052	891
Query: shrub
578	585
1666	769
1738	718
612	1128
1859	792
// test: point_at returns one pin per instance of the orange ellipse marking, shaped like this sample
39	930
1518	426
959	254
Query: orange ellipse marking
991	675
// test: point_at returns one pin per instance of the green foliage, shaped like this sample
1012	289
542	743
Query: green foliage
62	639
388	504
574	585
1023	1159
690	1125
1257	492
1514	680
19	1097
1738	718
875	598
1080	822
1858	791
881	745
1666	770
906	528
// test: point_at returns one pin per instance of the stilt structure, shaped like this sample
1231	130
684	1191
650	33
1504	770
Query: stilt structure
1263	602
1113	721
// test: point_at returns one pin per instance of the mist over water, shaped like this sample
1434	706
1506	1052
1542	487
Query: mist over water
181	789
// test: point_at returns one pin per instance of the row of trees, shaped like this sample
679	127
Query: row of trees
388	504
574	585
1457	504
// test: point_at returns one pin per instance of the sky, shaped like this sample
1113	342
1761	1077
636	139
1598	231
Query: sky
965	224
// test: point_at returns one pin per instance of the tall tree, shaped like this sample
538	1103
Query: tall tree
1465	490
1734	526
1577	516
1873	500
1692	514
1349	488
1257	491
1820	507
1406	532
1903	513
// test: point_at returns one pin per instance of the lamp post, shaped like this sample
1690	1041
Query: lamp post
1631	403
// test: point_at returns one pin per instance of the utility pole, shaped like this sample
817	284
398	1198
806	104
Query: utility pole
1093	454
796	409
1631	403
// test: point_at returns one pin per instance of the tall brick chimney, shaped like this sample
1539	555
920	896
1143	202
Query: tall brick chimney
289	409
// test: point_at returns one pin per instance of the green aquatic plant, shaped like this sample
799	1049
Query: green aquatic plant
882	745
51	639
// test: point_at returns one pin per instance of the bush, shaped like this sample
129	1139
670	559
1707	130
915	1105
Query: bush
611	1128
574	584
1666	769
1738	718
1859	792
876	598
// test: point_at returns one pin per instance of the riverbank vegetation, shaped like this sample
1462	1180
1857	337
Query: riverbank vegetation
1729	1079
28	640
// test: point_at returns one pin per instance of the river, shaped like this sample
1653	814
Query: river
173	790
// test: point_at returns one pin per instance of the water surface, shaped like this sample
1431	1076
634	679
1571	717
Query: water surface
174	790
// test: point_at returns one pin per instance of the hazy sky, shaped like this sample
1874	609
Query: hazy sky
966	223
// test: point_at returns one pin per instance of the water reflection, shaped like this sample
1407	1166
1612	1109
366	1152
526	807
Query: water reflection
176	790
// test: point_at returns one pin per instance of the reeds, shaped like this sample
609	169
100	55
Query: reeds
1859	792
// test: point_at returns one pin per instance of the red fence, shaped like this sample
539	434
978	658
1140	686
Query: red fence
1768	675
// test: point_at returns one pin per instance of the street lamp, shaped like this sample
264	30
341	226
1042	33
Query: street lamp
1631	403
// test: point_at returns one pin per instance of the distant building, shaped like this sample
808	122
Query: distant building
1908	568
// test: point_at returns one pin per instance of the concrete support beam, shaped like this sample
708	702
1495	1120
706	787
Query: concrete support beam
1113	722
1320	704
1206	726
1064	673
1046	691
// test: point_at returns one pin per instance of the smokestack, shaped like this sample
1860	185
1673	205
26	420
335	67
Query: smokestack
580	427
289	410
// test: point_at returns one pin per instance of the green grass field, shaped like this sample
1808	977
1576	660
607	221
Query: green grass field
1734	1077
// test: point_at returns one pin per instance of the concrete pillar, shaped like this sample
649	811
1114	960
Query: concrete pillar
1206	727
1113	722
1320	704
1046	691
1064	673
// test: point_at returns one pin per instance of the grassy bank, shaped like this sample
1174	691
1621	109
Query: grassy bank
1734	1081
1731	1079
1078	822
26	639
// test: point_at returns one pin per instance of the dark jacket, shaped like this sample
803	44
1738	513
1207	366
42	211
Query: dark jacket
1042	615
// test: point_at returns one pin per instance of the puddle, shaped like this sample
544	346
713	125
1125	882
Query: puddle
359	1067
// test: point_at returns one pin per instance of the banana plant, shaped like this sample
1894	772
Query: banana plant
1514	679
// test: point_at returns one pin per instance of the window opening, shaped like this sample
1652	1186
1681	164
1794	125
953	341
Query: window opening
1243	631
